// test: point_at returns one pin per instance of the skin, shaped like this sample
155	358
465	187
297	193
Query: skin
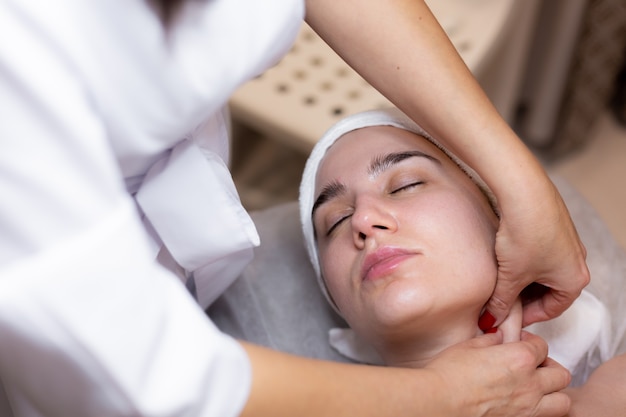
536	240
419	300
372	37
285	385
604	394
421	209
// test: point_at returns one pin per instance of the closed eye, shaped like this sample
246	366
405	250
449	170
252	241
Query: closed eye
407	187
336	224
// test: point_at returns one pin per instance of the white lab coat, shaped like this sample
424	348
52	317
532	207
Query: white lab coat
112	142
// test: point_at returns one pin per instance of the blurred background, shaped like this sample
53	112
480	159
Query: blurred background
555	69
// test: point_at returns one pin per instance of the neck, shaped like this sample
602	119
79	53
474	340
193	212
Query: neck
418	351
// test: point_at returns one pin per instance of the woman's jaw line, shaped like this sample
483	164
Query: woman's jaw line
419	352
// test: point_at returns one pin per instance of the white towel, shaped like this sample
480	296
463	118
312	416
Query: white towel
579	339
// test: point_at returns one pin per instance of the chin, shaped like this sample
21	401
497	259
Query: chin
450	325
398	304
403	318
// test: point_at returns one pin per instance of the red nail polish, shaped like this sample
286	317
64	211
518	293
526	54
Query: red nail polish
486	321
492	330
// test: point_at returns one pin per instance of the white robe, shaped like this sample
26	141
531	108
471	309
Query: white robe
113	141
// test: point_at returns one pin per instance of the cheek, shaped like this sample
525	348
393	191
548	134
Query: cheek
462	222
335	267
473	249
462	235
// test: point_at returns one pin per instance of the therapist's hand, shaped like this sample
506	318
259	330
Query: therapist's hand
536	244
487	378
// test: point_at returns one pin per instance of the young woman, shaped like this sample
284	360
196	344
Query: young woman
401	234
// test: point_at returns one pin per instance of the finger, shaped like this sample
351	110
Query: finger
503	298
538	347
552	304
534	312
511	327
553	376
550	362
556	404
484	340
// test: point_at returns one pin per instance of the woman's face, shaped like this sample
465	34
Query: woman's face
405	238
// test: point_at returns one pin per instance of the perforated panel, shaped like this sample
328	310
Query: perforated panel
312	88
305	93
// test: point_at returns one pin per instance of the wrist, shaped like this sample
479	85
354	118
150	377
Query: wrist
512	172
445	398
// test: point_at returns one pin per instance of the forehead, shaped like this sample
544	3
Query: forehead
355	149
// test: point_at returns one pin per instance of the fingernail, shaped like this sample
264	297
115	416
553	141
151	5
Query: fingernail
486	321
492	330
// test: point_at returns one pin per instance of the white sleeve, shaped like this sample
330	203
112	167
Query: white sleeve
90	325
93	327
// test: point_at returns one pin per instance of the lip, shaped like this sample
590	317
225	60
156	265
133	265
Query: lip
382	261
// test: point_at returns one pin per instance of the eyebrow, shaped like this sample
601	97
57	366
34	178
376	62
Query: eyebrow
330	191
382	163
378	165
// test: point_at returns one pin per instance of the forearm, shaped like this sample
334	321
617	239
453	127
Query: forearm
419	70
398	46
455	383
604	393
285	385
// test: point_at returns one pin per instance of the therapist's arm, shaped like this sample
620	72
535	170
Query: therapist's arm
399	47
456	383
604	393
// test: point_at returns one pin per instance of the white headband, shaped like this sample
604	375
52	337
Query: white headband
387	117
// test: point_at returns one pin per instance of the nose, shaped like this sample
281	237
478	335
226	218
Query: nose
369	218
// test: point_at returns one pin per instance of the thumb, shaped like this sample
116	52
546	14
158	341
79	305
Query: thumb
484	340
501	302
